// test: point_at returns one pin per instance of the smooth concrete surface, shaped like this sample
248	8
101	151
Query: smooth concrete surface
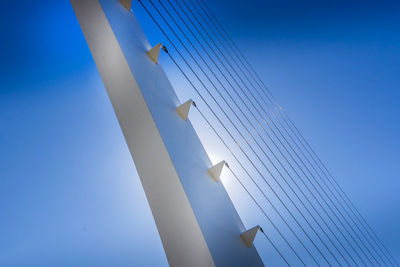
195	217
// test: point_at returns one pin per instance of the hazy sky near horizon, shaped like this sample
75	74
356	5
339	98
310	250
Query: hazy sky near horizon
69	191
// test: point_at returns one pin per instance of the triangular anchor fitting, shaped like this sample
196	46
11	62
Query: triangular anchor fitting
249	235
215	171
154	53
127	4
183	110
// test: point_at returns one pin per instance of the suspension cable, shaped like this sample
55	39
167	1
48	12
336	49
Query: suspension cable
250	132
318	249
260	136
237	75
286	241
231	76
279	110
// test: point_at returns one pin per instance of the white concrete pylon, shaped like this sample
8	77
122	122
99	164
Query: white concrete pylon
179	188
183	110
249	235
127	4
215	171
154	53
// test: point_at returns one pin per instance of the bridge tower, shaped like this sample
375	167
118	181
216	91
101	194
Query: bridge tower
196	220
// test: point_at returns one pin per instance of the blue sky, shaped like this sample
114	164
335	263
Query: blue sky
69	192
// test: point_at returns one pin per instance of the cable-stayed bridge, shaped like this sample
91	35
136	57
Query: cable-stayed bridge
307	218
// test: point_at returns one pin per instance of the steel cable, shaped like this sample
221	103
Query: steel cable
318	249
210	108
312	157
250	92
286	241
265	143
278	138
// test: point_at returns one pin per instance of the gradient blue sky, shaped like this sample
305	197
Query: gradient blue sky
69	192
